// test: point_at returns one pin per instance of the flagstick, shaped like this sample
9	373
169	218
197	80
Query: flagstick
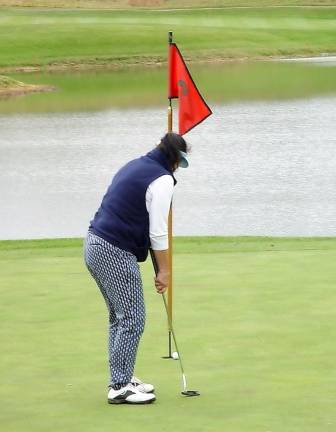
170	236
175	59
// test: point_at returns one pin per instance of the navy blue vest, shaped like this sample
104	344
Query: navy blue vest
122	218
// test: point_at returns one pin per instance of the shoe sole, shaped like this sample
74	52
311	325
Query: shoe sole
124	401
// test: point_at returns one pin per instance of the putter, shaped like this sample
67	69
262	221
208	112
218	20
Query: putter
185	392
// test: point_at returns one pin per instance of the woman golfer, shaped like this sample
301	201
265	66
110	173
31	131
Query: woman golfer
132	217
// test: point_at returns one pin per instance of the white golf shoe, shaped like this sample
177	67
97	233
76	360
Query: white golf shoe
129	394
141	386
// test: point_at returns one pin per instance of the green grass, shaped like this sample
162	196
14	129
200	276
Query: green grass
62	39
43	37
254	318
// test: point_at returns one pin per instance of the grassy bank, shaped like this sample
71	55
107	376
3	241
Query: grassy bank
12	87
254	317
54	38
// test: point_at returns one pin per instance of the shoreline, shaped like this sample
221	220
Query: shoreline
156	62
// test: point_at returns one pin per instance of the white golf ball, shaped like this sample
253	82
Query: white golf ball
175	355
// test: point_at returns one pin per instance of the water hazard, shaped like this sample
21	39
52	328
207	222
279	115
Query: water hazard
257	168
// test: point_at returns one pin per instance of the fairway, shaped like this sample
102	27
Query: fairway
32	37
254	318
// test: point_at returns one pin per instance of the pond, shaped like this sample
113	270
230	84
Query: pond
259	165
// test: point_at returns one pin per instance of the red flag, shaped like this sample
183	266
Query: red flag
192	107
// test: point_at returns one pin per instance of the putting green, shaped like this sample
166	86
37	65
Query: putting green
254	319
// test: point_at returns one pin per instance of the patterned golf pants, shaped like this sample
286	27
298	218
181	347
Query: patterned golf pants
117	275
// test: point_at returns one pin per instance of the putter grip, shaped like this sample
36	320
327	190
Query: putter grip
155	265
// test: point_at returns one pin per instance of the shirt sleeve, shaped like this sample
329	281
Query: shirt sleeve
158	198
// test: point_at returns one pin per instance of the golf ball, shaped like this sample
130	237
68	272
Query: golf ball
175	355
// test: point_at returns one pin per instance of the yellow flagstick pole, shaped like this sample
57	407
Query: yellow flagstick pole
170	235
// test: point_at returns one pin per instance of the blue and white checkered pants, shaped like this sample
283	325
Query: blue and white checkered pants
117	275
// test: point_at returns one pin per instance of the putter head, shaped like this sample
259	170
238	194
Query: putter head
190	393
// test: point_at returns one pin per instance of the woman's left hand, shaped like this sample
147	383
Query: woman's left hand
161	282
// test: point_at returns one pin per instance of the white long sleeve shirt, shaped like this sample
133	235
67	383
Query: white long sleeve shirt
158	198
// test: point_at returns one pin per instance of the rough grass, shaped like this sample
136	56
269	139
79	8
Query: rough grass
255	323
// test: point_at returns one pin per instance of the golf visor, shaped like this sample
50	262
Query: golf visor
183	160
